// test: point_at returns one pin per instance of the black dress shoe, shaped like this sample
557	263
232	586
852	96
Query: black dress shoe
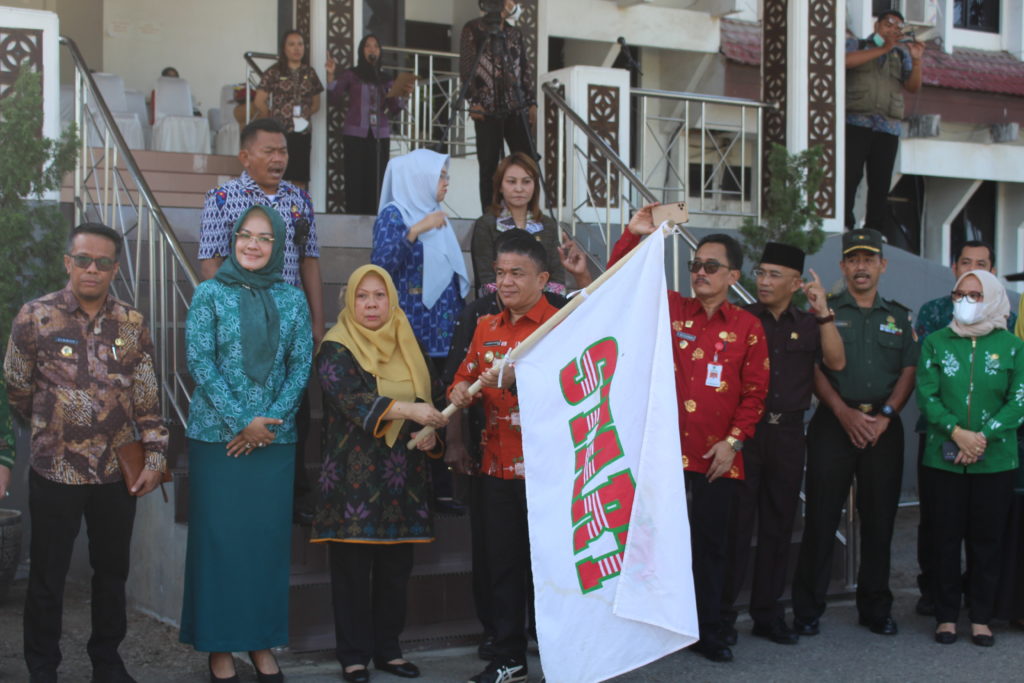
945	637
404	670
982	640
811	627
111	674
775	631
729	635
714	651
883	627
357	676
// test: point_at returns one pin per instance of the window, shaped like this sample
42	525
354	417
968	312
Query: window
976	15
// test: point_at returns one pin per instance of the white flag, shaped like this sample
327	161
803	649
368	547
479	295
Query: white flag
609	537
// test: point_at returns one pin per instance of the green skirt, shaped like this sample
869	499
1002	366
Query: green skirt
238	561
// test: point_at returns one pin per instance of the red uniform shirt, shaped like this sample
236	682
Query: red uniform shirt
496	335
707	413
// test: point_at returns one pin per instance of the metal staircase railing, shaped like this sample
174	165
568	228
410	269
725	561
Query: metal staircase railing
597	158
429	109
155	276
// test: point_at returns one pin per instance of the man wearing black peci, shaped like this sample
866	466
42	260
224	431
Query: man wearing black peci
774	458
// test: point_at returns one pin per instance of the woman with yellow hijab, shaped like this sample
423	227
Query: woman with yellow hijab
375	494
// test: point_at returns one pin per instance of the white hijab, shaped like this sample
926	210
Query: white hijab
410	185
995	308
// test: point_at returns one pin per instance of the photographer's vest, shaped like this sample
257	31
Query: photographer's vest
876	87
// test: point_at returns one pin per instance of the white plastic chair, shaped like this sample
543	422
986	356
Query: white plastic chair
111	87
175	128
136	101
227	128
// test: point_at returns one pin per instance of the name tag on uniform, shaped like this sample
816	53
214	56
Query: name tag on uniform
714	375
842	323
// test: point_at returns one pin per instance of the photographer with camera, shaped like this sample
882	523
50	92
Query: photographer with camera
878	70
500	87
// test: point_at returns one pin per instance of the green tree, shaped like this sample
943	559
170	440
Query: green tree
32	230
790	215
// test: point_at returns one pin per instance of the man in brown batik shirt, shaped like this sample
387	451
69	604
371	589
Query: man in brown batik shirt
80	373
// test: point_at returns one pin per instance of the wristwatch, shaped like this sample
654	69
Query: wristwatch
736	444
828	318
888	410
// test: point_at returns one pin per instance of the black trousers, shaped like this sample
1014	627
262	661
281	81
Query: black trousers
365	161
832	464
773	466
478	538
57	511
876	151
709	507
491	133
508	560
369	585
975	508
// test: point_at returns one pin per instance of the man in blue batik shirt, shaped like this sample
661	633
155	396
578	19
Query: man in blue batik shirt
264	156
878	70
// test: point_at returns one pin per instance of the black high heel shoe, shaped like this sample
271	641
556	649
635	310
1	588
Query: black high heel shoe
267	678
215	679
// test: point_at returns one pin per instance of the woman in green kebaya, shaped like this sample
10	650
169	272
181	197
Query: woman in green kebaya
970	387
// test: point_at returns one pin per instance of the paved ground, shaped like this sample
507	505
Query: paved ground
843	651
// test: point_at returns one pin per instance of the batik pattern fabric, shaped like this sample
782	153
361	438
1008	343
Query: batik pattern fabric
85	386
404	262
287	89
224	204
226	399
369	492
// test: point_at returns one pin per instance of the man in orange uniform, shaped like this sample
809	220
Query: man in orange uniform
521	272
721	361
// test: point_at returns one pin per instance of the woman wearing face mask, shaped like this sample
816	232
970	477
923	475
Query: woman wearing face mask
970	388
515	203
366	132
289	93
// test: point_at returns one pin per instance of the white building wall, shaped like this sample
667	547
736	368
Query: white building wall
203	40
642	25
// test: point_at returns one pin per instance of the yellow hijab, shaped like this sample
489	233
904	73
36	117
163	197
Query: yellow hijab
390	353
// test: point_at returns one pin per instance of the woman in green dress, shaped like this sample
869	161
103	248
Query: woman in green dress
970	387
375	493
249	347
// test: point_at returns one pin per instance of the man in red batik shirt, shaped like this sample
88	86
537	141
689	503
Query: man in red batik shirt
521	272
721	361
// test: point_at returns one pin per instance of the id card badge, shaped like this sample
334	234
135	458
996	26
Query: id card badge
714	375
514	419
297	111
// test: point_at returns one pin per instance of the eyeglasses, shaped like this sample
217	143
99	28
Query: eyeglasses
973	297
261	240
710	267
102	263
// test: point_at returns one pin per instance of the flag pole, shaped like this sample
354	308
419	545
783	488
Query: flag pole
545	327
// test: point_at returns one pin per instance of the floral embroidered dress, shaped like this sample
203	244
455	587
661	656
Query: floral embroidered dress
404	262
370	493
979	387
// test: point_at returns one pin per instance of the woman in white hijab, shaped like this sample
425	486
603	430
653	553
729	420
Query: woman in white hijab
415	243
970	388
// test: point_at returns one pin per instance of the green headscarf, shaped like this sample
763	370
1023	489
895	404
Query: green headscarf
257	310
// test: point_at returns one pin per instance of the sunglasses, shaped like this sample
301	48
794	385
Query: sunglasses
710	267
262	240
102	263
